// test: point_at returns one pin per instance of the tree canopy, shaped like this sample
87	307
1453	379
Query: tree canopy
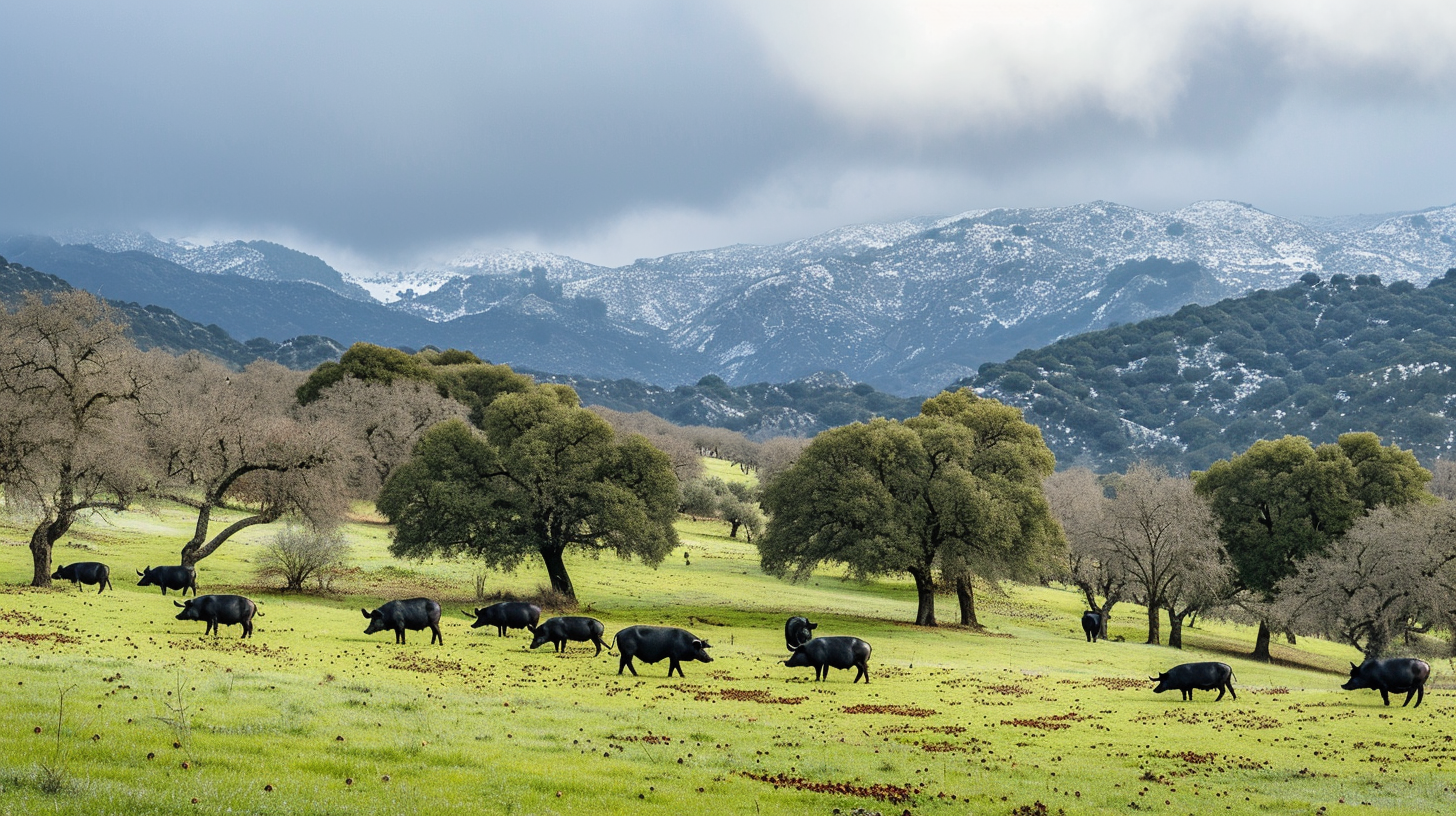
1284	500
956	489
71	384
541	477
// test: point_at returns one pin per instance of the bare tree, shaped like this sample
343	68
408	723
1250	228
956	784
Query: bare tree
1392	574
674	440
239	439
1162	533
71	384
1080	504
1443	479
383	422
1202	580
776	455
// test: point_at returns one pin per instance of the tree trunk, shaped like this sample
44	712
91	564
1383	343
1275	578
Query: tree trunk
194	551
1261	644
40	553
967	596
1175	630
42	541
1154	630
556	570
925	590
1289	636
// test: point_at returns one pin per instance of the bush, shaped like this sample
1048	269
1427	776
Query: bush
298	553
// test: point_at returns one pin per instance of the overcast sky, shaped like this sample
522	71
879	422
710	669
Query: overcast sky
381	134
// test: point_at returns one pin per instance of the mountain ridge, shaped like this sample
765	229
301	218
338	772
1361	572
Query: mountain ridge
907	306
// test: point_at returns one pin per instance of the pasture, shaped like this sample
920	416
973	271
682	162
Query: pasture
311	716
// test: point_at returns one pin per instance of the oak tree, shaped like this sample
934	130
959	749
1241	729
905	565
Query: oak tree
541	477
956	489
1284	500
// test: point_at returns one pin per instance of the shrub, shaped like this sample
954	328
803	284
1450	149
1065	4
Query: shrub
297	554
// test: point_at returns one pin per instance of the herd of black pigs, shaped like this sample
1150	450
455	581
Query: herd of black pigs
652	644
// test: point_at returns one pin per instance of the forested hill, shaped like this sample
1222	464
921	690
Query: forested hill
156	327
802	407
1317	359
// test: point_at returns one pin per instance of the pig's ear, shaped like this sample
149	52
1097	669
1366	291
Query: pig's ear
813	626
174	603
365	611
1353	667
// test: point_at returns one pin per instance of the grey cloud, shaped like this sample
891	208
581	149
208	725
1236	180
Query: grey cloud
385	130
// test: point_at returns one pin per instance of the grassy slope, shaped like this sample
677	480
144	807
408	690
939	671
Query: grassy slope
1030	712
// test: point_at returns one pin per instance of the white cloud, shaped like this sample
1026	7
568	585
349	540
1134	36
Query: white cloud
929	68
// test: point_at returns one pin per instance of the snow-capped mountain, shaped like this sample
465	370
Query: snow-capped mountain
261	260
918	303
907	306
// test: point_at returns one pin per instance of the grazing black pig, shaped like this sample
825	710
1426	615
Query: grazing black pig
557	631
798	631
415	613
836	652
216	610
652	643
179	577
507	615
1092	625
1397	674
1203	676
85	572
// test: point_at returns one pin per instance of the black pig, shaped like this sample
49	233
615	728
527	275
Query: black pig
652	643
1203	676
216	610
557	631
1397	674
507	615
798	631
179	577
836	652
415	613
85	572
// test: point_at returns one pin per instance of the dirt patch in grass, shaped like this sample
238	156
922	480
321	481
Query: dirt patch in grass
1054	722
880	791
35	638
205	644
426	665
1119	683
18	617
895	710
702	694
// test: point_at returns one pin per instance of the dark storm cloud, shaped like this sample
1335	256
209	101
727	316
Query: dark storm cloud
641	128
386	125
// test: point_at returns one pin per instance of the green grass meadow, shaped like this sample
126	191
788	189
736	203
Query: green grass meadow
312	716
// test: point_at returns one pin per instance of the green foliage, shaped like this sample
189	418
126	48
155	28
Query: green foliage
757	410
731	501
368	362
1314	359
1284	500
477	385
542	477
956	489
